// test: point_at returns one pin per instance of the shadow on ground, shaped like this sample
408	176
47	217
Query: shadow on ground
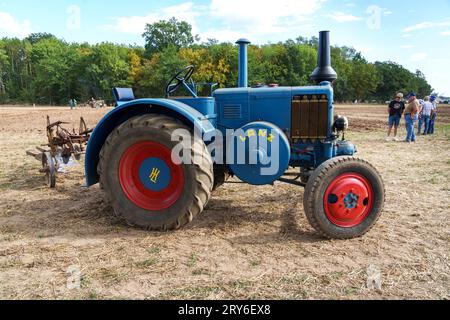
71	210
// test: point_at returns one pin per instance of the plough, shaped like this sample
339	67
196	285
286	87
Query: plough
62	145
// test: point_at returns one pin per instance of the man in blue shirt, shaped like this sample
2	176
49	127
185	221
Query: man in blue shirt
433	115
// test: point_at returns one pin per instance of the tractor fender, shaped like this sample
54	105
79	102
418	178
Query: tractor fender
126	111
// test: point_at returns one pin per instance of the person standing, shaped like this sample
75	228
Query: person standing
73	103
411	116
421	102
433	115
427	110
396	109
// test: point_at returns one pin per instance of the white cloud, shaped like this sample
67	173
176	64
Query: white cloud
10	27
407	35
343	17
136	24
265	16
426	25
445	33
232	19
420	26
420	56
407	46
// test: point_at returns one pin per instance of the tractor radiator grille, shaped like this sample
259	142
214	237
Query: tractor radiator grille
309	117
232	112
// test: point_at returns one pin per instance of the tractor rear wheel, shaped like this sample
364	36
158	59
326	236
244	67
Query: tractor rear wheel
344	198
144	185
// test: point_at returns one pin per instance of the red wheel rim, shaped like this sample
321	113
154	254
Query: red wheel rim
348	200
148	176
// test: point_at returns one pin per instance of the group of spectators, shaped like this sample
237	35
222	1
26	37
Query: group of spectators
73	103
414	110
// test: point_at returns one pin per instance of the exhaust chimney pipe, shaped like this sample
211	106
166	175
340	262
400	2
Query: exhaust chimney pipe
243	64
324	70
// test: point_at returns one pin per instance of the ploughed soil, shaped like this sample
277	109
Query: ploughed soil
250	242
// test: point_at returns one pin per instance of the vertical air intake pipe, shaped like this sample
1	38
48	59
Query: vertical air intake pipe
243	64
324	70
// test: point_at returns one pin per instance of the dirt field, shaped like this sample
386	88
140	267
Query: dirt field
250	242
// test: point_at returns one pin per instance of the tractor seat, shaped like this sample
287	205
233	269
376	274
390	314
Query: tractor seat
123	94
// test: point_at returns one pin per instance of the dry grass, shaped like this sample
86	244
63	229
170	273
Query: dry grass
250	243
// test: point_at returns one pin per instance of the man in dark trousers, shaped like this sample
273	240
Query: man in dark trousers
396	109
433	115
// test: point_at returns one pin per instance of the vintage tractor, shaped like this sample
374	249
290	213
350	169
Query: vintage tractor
260	135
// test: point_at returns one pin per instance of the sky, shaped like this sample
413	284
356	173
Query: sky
415	34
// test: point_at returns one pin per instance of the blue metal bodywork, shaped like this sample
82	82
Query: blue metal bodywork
265	104
243	62
240	106
260	162
228	109
235	108
128	110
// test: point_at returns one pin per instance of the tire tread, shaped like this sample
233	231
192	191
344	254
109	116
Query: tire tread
204	171
314	184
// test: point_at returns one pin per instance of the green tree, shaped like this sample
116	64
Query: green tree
420	84
3	70
44	69
157	72
107	66
50	70
36	37
160	35
363	78
395	78
16	73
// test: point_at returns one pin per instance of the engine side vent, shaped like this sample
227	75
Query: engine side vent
309	117
232	111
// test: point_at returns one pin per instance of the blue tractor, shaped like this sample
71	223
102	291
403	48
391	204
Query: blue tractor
130	153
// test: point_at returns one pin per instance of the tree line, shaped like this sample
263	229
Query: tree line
43	69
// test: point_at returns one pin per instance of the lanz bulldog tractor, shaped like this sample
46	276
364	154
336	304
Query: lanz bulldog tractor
298	141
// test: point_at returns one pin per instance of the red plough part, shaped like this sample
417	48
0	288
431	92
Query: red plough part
62	145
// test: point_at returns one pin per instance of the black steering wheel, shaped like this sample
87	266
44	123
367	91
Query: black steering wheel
181	77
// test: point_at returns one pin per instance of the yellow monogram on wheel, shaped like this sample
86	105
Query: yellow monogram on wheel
154	175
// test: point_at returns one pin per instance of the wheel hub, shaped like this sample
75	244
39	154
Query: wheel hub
148	176
351	200
155	174
348	200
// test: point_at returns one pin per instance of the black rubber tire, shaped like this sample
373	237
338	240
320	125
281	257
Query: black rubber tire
198	178
221	175
317	185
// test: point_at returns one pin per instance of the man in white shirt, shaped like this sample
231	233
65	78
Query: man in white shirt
427	110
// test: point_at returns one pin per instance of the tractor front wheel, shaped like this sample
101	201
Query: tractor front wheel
344	198
143	183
